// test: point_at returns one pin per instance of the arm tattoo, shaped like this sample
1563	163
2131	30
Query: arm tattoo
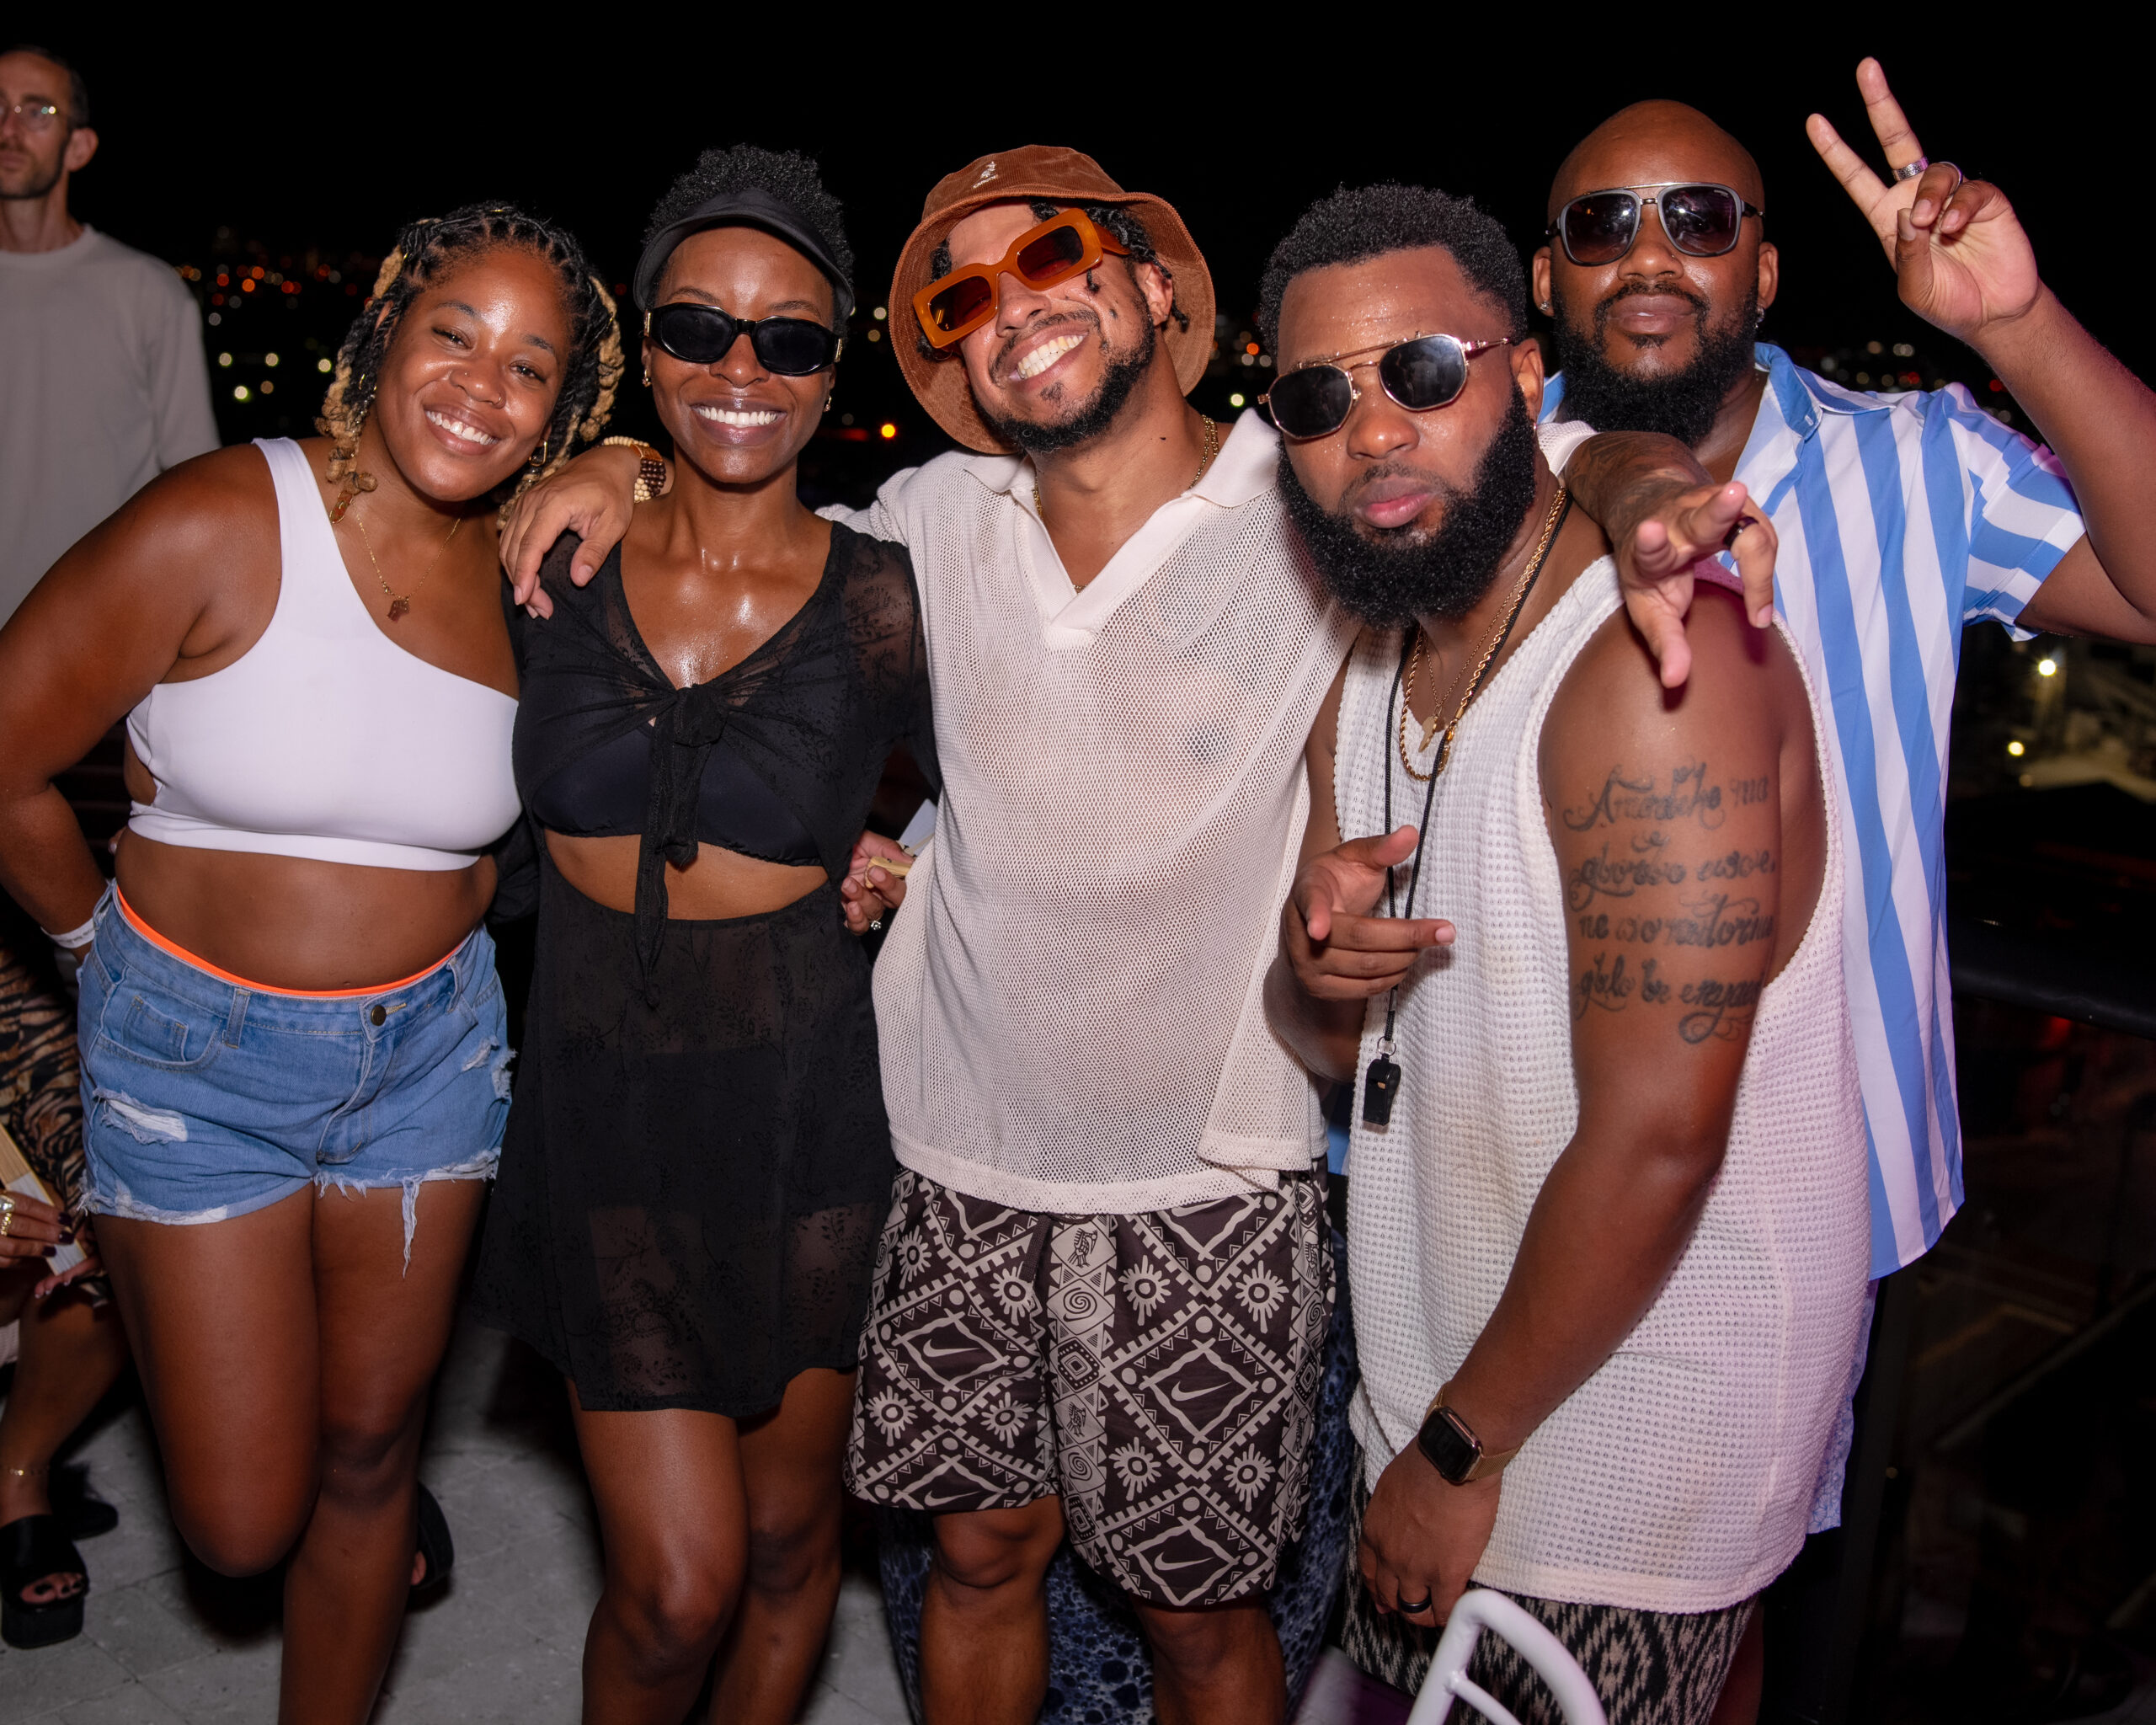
1621	478
1647	816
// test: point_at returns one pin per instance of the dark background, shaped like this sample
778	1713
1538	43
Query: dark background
298	145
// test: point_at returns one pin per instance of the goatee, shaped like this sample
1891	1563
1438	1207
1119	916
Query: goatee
1681	404
1389	576
1118	378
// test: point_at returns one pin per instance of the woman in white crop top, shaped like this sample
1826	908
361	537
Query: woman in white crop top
293	1041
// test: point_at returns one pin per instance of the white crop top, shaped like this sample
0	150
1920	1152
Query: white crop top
325	739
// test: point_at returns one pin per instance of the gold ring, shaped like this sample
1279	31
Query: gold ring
7	1221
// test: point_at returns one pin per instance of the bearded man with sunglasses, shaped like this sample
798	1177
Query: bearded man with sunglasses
1903	517
1606	1232
1106	1281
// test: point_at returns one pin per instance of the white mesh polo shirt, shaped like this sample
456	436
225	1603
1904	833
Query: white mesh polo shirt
1069	1005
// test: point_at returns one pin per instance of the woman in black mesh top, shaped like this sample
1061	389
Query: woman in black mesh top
697	1161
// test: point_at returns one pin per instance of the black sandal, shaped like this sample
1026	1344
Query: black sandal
435	1544
32	1549
84	1514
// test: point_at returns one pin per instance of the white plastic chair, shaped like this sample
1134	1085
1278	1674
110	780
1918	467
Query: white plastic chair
1447	1682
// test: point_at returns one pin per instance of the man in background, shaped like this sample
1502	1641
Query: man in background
100	344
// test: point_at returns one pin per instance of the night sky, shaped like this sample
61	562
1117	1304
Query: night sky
250	125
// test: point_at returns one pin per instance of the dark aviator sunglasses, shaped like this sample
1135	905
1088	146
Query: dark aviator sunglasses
703	335
1422	372
1701	220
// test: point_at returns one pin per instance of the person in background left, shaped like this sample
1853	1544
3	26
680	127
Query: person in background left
101	345
102	351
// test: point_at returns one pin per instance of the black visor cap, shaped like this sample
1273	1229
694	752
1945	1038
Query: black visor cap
746	208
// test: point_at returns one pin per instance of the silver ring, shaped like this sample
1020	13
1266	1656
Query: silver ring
1410	1608
1913	168
877	924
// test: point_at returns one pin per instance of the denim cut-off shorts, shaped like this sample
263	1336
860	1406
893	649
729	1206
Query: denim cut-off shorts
204	1098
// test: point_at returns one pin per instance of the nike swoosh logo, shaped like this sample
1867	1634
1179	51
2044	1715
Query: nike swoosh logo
1175	1394
1186	1563
929	1351
929	1502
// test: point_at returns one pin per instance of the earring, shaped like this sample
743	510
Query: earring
538	457
647	374
827	403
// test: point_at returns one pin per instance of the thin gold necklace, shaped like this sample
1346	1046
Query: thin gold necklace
399	603
1204	461
1512	612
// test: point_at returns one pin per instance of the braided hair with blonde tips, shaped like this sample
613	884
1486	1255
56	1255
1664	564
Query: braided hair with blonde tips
424	252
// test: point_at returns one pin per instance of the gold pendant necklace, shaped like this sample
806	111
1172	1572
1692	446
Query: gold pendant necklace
1204	461
399	603
1489	651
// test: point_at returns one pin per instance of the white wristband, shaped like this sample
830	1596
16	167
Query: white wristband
75	938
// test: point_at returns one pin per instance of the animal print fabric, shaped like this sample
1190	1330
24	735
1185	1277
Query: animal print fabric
40	1084
1159	1372
1649	1668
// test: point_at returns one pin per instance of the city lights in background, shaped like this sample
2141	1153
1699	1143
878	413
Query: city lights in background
2016	749
886	431
1234	401
2047	667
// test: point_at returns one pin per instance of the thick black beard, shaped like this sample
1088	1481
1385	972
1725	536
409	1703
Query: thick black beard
1118	378
1389	576
1681	404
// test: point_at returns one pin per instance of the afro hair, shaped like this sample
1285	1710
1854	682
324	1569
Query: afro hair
1371	221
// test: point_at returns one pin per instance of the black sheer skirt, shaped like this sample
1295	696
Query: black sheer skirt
690	1192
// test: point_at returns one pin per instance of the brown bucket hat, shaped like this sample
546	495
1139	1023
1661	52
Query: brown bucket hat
1058	176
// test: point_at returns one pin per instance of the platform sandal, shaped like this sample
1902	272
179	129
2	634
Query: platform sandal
434	1545
31	1549
84	1514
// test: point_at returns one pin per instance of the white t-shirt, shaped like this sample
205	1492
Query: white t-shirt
103	387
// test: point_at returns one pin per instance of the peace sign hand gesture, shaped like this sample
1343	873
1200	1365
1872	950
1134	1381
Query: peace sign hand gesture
1961	256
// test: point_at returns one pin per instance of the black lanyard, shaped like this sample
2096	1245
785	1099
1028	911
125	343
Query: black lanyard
1381	1083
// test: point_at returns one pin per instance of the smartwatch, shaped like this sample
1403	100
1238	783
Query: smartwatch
1448	1444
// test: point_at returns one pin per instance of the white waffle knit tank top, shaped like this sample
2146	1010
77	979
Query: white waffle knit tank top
1678	1478
325	739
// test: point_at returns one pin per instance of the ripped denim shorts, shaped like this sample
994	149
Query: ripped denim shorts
205	1097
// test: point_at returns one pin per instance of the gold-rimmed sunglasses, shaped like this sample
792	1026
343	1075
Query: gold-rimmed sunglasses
1422	372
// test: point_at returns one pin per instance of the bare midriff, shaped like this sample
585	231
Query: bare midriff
719	884
295	923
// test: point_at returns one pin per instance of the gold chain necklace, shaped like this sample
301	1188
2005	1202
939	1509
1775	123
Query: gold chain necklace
1489	651
399	603
1204	461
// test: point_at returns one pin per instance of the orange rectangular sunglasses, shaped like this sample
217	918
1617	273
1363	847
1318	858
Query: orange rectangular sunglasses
952	307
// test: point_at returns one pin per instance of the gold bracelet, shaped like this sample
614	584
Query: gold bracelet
651	466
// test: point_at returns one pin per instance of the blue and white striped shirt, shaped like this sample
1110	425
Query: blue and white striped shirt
1902	518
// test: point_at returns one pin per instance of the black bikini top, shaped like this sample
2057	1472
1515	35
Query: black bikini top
777	757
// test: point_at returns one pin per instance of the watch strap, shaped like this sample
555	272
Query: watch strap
1484	1463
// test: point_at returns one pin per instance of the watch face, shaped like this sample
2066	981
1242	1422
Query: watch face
1450	1450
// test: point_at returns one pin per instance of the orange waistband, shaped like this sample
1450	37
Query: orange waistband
180	953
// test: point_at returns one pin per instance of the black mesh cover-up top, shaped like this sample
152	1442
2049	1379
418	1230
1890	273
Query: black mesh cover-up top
697	1162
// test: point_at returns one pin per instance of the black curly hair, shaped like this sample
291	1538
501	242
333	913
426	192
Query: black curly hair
424	251
1118	220
1367	222
793	178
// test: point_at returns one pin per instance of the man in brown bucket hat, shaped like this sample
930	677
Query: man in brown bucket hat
1105	1282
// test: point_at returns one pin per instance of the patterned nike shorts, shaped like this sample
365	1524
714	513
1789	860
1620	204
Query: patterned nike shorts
1649	1668
1159	1372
